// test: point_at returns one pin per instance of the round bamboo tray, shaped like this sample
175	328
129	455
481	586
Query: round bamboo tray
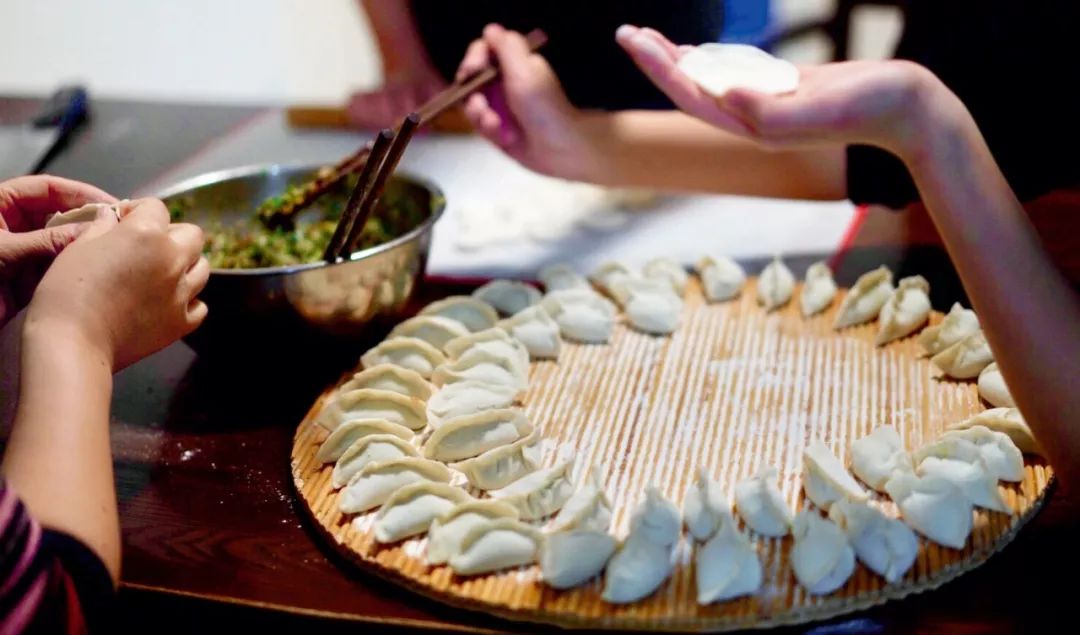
734	388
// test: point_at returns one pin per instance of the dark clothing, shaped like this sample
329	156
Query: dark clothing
1011	63
593	69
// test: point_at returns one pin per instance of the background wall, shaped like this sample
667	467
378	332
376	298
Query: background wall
247	51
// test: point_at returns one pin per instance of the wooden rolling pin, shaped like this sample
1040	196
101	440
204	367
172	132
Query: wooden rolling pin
452	121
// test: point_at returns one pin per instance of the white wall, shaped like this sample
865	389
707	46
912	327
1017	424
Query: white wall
197	50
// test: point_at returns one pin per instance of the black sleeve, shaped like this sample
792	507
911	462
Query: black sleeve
1011	63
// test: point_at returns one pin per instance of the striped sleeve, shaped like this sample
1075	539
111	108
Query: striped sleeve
48	580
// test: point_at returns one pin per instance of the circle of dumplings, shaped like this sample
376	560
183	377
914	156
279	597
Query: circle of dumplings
733	389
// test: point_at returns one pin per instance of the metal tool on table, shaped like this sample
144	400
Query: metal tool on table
29	147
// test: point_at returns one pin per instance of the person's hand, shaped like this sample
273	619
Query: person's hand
526	113
401	93
26	250
127	288
872	102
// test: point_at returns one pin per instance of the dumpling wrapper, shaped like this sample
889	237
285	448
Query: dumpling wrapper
972	478
669	271
508	297
472	435
433	329
1008	421
368	403
496	544
878	455
572	557
539	494
705	508
966	358
885	545
760	503
719	68
656	518
371	486
656	313
993	389
346	434
391	378
474	314
1003	458
727	566
863	301
821	557
582	314
85	214
934	507
825	480
637	569
958	324
467	397
372	448
536	329
561	276
818	289
447	532
775	285
407	352
411	509
906	310
503	465
587	508
492	342
721	278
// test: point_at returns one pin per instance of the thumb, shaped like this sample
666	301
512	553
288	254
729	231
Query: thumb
42	243
106	219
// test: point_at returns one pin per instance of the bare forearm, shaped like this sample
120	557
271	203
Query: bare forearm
671	150
1030	313
395	31
58	457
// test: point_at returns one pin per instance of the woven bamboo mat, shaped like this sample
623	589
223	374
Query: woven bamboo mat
733	389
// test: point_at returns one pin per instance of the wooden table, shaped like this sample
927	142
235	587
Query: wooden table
211	527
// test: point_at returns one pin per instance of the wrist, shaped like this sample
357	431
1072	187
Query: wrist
44	336
598	132
934	126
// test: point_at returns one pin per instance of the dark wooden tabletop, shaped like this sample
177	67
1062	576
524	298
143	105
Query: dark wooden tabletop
212	531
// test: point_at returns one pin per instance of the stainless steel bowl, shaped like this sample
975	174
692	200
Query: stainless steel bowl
277	305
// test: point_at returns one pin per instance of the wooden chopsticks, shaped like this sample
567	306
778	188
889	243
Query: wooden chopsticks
280	210
386	152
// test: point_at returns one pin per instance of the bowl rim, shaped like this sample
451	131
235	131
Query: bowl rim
218	176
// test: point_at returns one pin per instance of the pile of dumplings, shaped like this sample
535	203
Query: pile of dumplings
430	438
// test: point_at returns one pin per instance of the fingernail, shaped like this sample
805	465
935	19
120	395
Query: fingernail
625	32
649	46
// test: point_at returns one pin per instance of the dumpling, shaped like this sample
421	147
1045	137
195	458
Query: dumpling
656	518
371	486
392	378
587	508
84	214
471	312
885	545
906	310
966	358
508	296
368	449
644	561
932	506
496	544
775	285
760	503
1003	458
727	566
447	532
495	342
972	478
864	301
1008	421
466	397
958	324
721	278
572	557
825	480
335	445
992	388
483	367
818	289
472	435
669	271
582	314
539	494
411	509
625	287
538	331
656	313
561	276
705	507
875	457
407	352
503	465
821	556
367	403
607	274
433	329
